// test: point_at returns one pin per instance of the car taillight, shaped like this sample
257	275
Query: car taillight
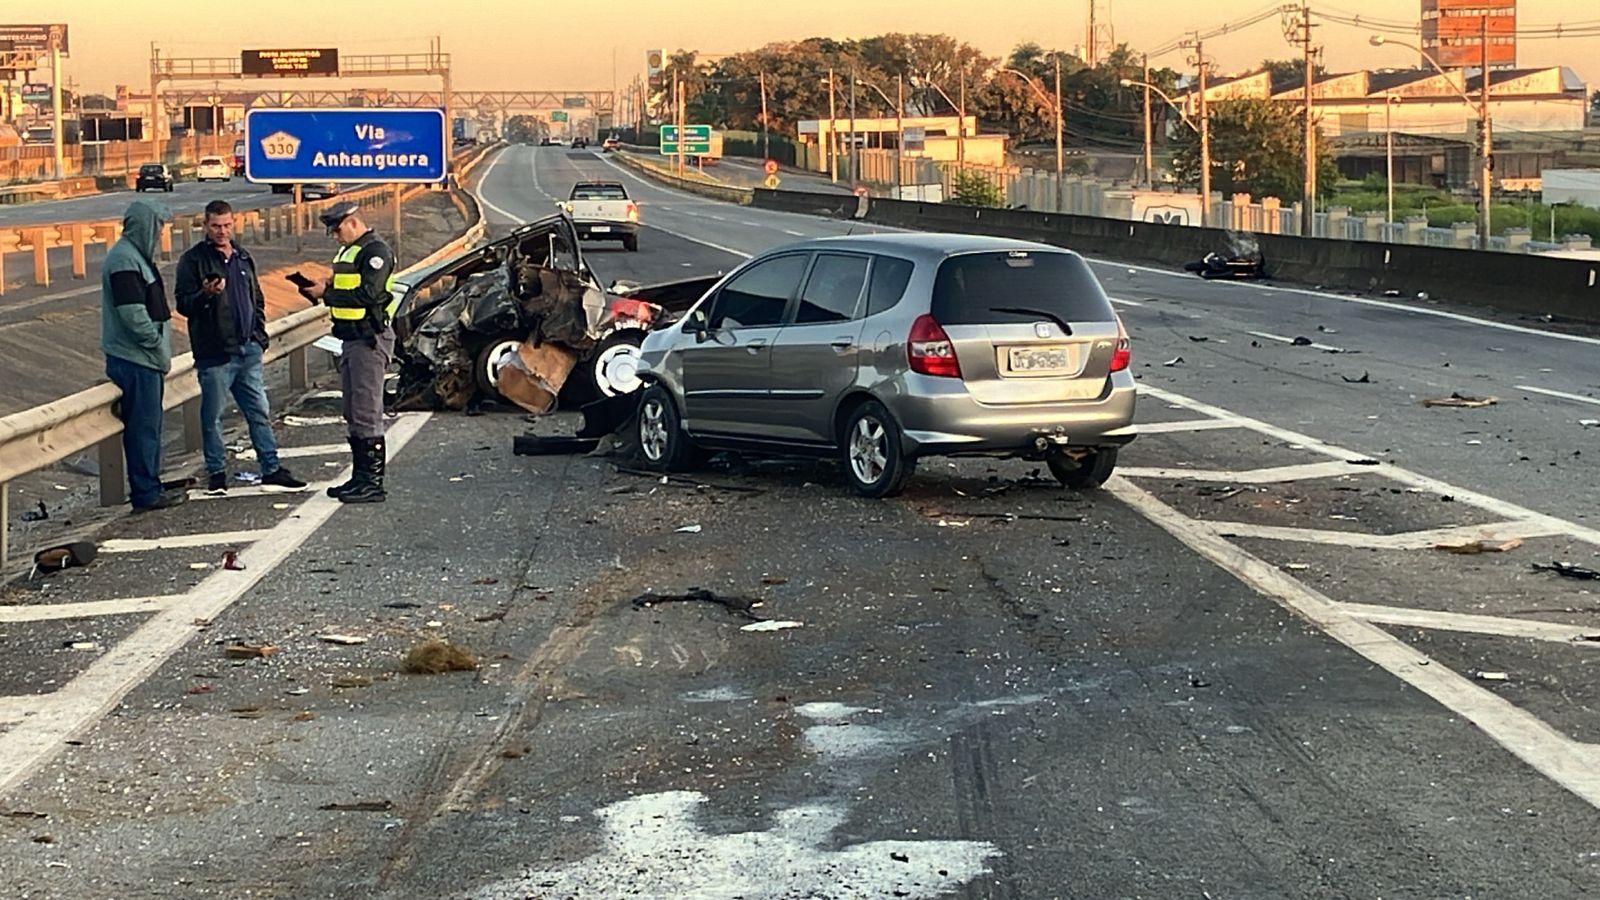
1121	357
633	212
638	310
929	349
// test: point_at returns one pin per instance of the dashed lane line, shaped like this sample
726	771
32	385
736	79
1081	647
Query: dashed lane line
298	452
53	719
1498	626
1578	398
1190	425
182	541
42	612
483	180
1326	348
1571	764
1273	475
1405	540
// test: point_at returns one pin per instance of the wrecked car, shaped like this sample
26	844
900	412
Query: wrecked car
523	319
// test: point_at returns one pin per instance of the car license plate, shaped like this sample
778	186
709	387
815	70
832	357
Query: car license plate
597	229
1040	360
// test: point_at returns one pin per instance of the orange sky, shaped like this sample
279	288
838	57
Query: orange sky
501	45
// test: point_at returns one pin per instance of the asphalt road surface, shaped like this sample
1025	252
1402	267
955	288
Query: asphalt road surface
1241	670
187	196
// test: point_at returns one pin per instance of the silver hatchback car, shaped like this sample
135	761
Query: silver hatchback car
881	349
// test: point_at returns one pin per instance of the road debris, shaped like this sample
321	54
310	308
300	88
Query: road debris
771	625
1198	339
1569	570
240	650
1366	378
344	639
1301	341
230	561
1218	491
1241	262
199	566
64	556
1489	676
358	806
438	657
37	515
1175	361
1460	401
1472	548
689	529
343	682
1589	423
681	481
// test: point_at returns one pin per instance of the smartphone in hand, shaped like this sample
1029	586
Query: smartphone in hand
298	280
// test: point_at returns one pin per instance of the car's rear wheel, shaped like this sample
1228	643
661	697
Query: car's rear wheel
874	454
630	243
1088	472
662	441
486	366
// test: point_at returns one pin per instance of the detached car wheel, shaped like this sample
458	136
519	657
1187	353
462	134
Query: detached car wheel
662	441
1082	474
874	455
486	366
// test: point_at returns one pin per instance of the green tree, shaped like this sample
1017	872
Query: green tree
1257	146
971	188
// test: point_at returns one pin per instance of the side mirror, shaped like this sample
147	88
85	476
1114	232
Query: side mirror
697	324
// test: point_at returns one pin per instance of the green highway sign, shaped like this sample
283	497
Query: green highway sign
558	116
696	139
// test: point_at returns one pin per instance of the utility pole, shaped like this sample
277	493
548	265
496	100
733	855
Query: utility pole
55	111
766	152
1061	127
677	89
1149	153
833	135
157	152
1486	179
1308	209
855	155
961	129
1205	137
1388	147
899	135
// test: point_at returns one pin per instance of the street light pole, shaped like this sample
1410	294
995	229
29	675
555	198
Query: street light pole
899	135
1149	153
855	156
1388	129
766	151
1205	141
1061	184
833	135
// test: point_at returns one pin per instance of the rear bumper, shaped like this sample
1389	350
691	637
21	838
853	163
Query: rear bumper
586	230
938	417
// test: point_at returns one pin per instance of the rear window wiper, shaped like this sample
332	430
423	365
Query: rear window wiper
1024	311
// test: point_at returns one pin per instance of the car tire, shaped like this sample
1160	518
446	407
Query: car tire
630	243
594	378
873	452
1084	474
484	369
663	444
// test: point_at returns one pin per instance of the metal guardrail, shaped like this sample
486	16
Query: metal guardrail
44	435
725	193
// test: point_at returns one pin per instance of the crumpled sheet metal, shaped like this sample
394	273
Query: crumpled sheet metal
532	377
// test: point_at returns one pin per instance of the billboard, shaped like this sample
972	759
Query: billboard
270	63
35	37
655	85
372	146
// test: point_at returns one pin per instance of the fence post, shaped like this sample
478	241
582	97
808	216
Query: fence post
299	369
113	472
41	258
166	241
80	265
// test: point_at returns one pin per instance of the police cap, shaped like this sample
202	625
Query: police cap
338	212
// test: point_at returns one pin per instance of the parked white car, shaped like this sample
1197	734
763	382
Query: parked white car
213	168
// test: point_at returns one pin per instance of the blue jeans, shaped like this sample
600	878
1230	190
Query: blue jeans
142	388
240	376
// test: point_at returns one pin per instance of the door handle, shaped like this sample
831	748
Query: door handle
842	345
756	346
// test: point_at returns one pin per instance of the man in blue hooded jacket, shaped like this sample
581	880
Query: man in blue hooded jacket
136	336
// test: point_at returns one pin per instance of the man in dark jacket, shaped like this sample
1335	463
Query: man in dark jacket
136	336
220	294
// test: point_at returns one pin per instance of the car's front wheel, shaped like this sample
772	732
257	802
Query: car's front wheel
486	365
1088	472
662	441
874	454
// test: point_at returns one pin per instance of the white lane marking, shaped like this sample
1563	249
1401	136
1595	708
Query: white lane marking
73	709
312	421
1499	626
1366	301
694	240
1573	765
48	298
1273	475
1288	340
1121	302
717	217
1561	394
252	490
48	611
793	232
1191	425
1406	540
484	180
182	541
1494	505
323	395
294	452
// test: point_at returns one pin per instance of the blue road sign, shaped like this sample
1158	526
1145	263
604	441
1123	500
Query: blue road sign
283	146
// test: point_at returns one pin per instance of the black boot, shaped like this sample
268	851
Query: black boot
340	490
369	474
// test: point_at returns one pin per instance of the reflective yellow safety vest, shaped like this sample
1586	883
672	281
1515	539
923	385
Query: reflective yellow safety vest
352	295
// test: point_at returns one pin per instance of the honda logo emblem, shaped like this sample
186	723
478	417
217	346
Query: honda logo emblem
1042	329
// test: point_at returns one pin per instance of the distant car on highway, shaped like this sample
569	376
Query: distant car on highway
154	177
602	211
610	144
580	143
881	349
546	142
238	158
213	168
318	191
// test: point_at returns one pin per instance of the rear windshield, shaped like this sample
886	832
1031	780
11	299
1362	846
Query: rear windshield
599	192
1017	286
211	161
150	170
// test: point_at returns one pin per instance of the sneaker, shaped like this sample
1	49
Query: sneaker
217	483
282	477
165	501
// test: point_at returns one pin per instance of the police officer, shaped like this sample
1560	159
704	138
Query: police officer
360	303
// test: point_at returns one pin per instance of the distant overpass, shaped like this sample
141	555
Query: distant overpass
599	103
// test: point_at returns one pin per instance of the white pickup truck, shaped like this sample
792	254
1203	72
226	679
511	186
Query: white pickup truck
601	211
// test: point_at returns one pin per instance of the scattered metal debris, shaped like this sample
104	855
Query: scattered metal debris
739	606
343	639
37	515
359	806
1490	676
1366	378
241	650
689	529
1461	401
1175	361
1569	570
772	625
